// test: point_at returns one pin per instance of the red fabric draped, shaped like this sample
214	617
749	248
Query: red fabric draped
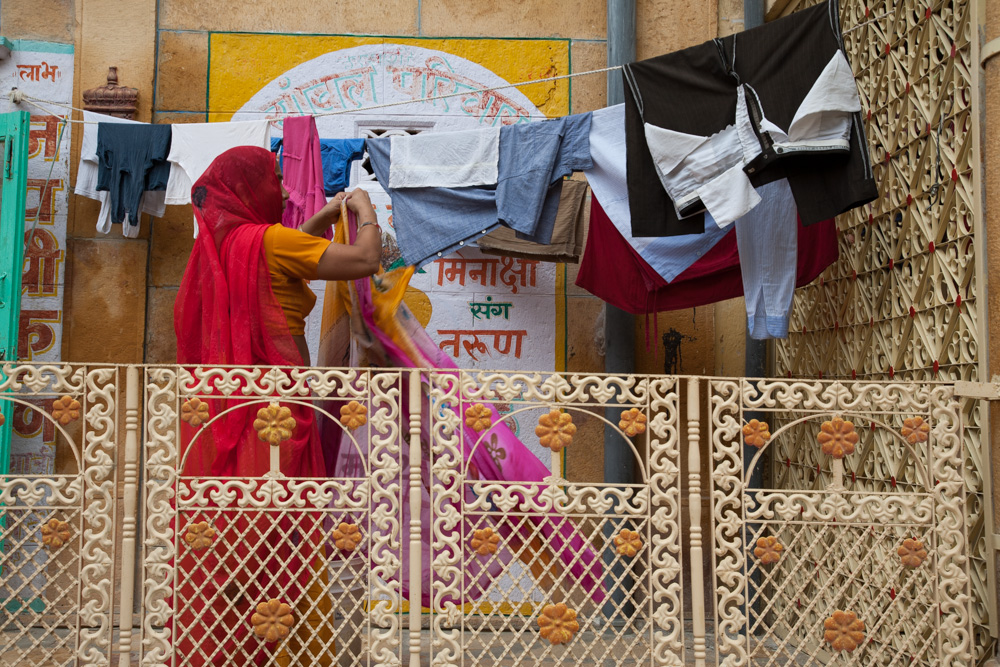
226	314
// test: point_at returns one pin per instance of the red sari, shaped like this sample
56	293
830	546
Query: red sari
226	314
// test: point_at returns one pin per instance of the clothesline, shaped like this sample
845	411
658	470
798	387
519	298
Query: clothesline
18	96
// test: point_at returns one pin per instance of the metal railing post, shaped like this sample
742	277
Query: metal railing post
128	562
694	508
415	499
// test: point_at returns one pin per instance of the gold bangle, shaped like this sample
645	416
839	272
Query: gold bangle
365	224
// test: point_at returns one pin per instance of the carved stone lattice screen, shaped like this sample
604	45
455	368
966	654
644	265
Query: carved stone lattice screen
901	302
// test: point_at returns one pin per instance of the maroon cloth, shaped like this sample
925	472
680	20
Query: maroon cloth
613	271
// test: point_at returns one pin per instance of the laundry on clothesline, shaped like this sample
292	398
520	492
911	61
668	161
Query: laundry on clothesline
667	256
568	231
767	239
445	159
533	159
131	159
196	145
525	148
717	177
151	202
613	271
337	155
302	172
707	124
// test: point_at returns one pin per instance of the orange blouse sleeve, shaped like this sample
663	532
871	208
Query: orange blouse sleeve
294	252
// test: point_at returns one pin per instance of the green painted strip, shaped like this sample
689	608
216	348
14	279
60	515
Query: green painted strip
208	76
569	61
35	45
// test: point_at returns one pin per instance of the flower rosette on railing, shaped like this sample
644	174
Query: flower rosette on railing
347	536
843	631
768	550
837	438
628	543
199	535
557	623
488	441
484	542
195	412
272	621
55	534
555	430
756	433
65	410
915	430
912	553
274	423
632	422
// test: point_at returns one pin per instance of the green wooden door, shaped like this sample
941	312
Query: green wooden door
14	128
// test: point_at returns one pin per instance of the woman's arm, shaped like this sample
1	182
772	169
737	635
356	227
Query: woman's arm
350	262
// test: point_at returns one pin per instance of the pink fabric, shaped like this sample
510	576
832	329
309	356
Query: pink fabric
407	345
302	167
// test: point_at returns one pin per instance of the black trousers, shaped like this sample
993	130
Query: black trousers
694	91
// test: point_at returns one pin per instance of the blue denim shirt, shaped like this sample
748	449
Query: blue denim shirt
534	158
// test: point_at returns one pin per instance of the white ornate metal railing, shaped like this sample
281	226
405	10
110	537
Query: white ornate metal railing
57	533
839	572
271	569
450	533
549	569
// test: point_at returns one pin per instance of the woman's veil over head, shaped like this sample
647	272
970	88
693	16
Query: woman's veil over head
226	313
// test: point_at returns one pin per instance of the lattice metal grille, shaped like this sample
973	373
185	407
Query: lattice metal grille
57	531
492	605
218	548
886	556
282	554
902	301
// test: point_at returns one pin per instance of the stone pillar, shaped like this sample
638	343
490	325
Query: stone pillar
990	138
105	292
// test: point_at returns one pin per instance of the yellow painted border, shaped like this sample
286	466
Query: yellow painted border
240	64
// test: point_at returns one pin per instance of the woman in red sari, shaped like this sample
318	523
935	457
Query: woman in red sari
243	301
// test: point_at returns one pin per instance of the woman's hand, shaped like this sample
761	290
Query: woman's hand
325	218
361	259
359	202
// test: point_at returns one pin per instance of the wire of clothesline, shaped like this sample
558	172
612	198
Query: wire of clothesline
36	103
17	96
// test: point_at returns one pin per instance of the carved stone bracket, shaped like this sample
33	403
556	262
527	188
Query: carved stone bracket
112	99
